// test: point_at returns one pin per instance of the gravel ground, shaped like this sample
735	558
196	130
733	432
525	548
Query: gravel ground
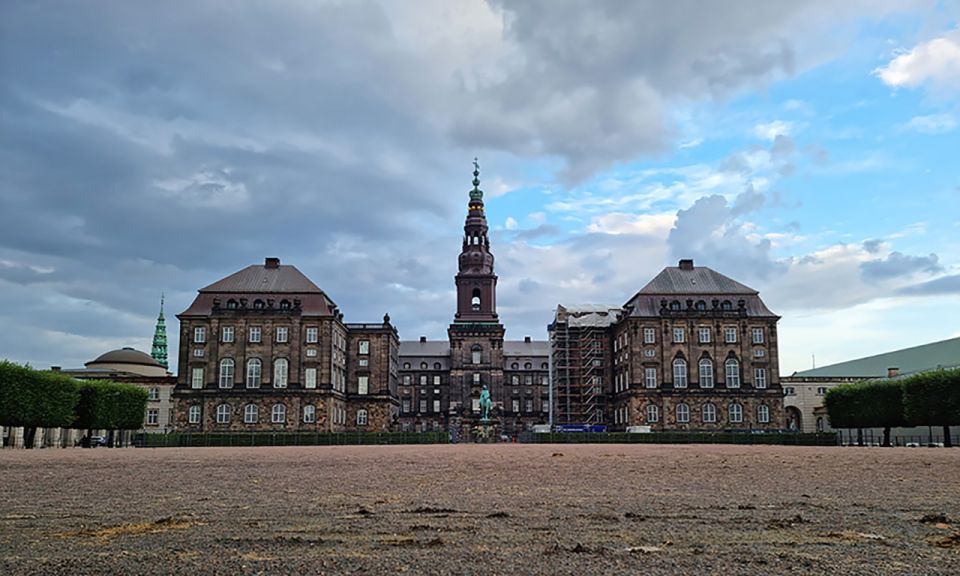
481	509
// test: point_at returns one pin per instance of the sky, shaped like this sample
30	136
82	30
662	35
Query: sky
807	149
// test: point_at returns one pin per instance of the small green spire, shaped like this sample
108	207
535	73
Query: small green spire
476	193
159	352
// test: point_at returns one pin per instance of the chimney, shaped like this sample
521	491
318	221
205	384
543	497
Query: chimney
686	264
423	339
272	263
893	372
526	339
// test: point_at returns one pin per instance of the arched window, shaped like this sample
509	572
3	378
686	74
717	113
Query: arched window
706	373
361	417
231	304
475	300
437	366
653	414
284	304
423	365
309	414
406	365
223	414
250	414
254	372
736	413
258	304
515	366
726	305
515	380
226	373
733	373
278	414
679	373
280	371
701	305
709	412
543	366
194	414
683	413
763	414
476	354
675	305
528	366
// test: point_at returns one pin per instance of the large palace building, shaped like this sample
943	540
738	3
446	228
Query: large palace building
265	349
692	350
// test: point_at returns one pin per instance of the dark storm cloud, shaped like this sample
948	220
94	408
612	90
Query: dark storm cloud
897	264
150	147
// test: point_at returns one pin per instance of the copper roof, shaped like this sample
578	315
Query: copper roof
125	356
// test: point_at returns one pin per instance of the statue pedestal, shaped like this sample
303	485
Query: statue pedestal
486	431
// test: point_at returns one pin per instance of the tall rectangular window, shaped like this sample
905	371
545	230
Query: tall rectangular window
730	334
436	380
406	379
153	417
254	335
436	406
516	404
312	335
423	406
364	347
679	335
649	335
650	377
282	334
757	335
310	378
760	377
199	334
529	405
226	334
193	415
363	384
476	378
280	371
196	378
423	379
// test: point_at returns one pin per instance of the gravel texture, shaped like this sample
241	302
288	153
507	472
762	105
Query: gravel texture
481	509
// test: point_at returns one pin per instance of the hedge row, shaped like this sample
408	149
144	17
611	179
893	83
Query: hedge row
818	439
925	399
184	439
38	399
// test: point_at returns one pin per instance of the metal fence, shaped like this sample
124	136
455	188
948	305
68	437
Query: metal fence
789	439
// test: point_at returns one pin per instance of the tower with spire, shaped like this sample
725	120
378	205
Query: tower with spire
159	351
476	334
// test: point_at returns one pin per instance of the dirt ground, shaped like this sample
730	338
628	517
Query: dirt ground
481	509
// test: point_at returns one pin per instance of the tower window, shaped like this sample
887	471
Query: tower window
475	301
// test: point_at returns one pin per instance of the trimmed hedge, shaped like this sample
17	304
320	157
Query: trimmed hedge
816	439
110	406
34	399
933	399
869	404
186	439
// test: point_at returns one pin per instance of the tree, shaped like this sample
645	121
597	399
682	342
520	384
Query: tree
868	404
110	406
32	399
933	399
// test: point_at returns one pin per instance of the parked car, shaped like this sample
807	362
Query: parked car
98	441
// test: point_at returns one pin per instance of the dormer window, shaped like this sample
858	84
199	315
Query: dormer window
284	304
231	304
726	305
701	305
675	305
258	304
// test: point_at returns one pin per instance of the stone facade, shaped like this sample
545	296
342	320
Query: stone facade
692	338
267	350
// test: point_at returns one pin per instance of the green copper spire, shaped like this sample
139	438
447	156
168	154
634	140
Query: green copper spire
159	352
476	193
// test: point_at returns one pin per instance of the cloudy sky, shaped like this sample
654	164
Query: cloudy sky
808	149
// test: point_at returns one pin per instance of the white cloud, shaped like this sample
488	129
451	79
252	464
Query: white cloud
511	223
936	62
932	124
656	225
771	130
206	189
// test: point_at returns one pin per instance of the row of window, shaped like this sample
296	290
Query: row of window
281	369
278	414
706	375
254	334
704	336
425	405
702	304
708	413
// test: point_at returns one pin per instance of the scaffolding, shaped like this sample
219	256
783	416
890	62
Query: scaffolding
580	362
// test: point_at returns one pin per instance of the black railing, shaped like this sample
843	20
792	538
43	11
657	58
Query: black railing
188	439
798	439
